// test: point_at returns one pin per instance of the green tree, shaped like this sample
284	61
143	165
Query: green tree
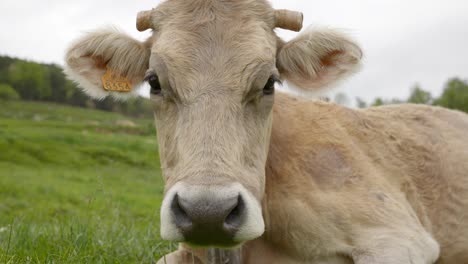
455	95
419	96
5	63
30	80
378	102
58	84
8	93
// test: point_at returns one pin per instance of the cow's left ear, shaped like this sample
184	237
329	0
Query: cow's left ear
107	62
318	58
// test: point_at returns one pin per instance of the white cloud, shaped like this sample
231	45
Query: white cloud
404	41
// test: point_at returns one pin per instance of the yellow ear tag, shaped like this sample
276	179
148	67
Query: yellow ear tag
115	82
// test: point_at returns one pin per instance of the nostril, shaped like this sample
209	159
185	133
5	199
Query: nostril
182	220
234	219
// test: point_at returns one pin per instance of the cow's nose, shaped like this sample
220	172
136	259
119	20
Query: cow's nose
207	221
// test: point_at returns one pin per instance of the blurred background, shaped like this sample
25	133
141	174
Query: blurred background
80	179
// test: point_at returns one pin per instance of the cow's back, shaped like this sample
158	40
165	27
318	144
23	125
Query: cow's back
429	145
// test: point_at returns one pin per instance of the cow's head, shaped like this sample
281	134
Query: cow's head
212	66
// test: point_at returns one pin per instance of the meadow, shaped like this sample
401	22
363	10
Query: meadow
78	186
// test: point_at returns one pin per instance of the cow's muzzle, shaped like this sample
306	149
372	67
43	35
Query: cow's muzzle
210	215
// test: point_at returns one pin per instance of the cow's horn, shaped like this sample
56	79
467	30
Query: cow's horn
290	20
144	21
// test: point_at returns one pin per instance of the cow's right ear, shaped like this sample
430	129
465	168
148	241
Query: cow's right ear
107	62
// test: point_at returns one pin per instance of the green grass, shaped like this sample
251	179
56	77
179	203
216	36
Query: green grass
77	187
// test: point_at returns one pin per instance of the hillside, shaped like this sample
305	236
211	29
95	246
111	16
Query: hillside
77	186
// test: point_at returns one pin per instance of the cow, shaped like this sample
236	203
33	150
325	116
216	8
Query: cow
281	178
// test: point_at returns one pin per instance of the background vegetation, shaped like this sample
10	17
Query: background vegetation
26	80
77	186
81	185
454	96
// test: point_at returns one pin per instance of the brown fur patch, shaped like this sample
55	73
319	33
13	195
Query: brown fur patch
328	167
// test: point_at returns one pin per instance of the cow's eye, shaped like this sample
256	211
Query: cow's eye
269	88
153	81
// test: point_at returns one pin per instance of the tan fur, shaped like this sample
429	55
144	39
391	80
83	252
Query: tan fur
318	58
383	185
400	173
358	184
89	57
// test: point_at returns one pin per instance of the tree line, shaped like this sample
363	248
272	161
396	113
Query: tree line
27	80
454	96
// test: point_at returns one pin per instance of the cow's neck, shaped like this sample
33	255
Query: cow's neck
290	187
277	180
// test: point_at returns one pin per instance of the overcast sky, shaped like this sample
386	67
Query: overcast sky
404	41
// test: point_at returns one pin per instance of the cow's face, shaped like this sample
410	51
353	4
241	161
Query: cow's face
212	67
212	78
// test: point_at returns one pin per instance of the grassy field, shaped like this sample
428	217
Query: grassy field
77	186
